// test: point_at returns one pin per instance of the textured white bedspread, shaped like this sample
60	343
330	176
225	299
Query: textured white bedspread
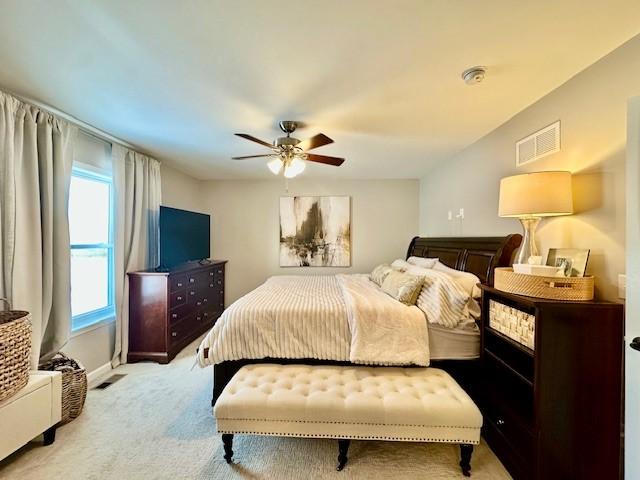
316	317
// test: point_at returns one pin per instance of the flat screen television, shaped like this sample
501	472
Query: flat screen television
184	237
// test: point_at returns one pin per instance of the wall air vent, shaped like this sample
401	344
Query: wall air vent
538	145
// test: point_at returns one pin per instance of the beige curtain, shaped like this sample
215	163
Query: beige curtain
36	156
137	209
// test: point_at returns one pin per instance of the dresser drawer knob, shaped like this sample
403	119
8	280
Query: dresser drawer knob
211	274
205	314
179	284
174	334
179	298
500	422
219	271
219	282
198	318
211	285
192	293
198	303
174	315
205	300
191	280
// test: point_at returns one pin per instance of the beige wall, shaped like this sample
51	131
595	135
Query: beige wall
592	109
180	190
93	347
245	224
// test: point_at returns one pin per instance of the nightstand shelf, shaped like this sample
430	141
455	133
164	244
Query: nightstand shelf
554	410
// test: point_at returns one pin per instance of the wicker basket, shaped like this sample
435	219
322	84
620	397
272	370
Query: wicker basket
553	288
74	384
15	350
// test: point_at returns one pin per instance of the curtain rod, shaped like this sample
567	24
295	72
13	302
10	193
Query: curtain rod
84	126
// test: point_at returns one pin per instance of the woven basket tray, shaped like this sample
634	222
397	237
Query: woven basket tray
553	288
15	350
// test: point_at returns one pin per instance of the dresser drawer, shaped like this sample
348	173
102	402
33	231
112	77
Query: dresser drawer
180	312
178	281
180	330
513	444
177	298
192	295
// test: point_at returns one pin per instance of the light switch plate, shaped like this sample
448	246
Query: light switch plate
622	286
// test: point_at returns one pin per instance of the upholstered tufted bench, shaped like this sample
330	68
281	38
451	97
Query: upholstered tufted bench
344	402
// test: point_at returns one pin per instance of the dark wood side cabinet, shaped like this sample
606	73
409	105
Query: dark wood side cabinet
552	410
168	310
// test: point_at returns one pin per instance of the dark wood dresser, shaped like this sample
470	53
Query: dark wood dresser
168	310
551	385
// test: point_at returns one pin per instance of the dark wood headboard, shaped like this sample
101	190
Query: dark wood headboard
478	255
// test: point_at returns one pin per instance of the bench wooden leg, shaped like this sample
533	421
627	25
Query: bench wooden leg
49	436
343	448
465	459
227	440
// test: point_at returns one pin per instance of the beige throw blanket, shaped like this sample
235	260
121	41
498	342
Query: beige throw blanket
383	330
317	317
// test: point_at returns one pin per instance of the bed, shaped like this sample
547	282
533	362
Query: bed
453	350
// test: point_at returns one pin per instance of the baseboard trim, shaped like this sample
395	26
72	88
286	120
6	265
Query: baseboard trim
96	376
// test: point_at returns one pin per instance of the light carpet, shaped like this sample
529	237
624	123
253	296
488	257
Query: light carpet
156	423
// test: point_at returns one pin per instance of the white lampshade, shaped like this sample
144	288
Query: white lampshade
275	166
539	194
296	167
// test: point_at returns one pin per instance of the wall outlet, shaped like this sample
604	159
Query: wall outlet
450	215
461	214
622	286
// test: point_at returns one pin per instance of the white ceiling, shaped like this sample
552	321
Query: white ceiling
382	78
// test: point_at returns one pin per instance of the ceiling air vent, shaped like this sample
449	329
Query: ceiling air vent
539	144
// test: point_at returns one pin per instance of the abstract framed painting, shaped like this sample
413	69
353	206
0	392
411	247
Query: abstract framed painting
315	231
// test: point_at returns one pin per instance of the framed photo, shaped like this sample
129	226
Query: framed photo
573	260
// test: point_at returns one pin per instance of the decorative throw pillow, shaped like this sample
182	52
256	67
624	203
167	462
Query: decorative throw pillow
379	273
466	280
403	287
423	262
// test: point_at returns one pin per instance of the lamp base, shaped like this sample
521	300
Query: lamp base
528	246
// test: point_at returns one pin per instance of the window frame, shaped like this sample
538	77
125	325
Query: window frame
90	319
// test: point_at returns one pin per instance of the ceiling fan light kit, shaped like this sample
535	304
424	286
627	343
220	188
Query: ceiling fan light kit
290	154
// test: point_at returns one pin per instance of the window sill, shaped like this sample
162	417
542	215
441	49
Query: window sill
103	322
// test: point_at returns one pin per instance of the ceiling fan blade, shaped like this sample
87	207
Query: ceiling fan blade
254	139
335	161
314	142
252	156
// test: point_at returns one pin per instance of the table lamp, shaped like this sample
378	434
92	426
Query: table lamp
531	196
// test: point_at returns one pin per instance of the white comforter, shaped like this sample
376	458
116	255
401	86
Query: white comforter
343	317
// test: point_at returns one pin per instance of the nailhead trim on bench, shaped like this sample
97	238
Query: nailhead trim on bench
346	423
352	437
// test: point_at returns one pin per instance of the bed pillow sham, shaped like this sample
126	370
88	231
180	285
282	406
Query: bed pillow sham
402	286
422	262
466	280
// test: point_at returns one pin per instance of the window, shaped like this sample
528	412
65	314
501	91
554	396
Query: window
91	234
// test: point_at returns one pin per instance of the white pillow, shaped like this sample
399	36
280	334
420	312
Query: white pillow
416	270
400	264
423	262
466	280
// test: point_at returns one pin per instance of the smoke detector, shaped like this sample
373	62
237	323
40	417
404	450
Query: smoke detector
473	75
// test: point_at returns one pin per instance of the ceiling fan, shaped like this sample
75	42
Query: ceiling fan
289	154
